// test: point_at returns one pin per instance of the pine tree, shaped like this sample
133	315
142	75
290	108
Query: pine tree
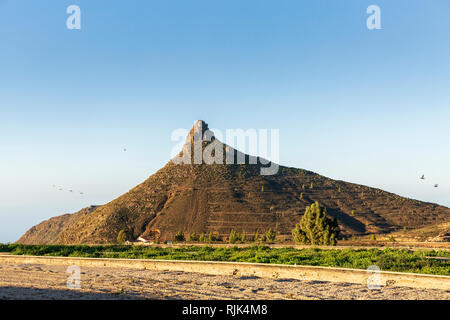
179	237
234	237
193	237
243	236
270	235
299	236
123	236
316	228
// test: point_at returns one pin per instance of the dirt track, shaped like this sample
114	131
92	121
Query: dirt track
49	282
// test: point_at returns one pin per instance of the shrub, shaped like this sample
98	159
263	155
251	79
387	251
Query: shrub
298	235
179	236
123	236
255	236
202	237
211	237
243	236
193	237
315	227
234	237
270	235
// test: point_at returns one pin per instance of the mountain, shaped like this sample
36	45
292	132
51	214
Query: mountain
220	197
47	232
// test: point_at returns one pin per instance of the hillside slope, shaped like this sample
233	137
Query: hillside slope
48	231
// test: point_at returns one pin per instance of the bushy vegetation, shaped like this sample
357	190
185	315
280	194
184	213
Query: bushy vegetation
315	227
193	237
179	237
234	237
243	236
123	236
212	238
270	235
401	260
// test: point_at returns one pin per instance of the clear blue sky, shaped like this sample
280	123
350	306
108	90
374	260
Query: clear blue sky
371	107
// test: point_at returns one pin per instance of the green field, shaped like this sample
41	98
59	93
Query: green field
401	260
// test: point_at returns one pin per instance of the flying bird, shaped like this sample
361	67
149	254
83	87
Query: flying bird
70	190
422	177
436	185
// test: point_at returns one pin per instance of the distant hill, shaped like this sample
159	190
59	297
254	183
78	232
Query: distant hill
47	232
220	197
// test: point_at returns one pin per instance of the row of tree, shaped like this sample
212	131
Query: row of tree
234	237
314	228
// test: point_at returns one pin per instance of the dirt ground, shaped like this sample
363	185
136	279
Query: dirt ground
50	282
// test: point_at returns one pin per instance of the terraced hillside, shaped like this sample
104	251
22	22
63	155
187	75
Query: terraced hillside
220	197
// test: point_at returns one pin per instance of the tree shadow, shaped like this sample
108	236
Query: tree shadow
347	220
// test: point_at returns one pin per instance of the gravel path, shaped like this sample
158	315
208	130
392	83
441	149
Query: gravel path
49	282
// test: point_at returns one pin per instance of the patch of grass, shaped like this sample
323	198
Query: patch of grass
401	260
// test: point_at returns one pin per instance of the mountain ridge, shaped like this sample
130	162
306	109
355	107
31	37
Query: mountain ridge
220	197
